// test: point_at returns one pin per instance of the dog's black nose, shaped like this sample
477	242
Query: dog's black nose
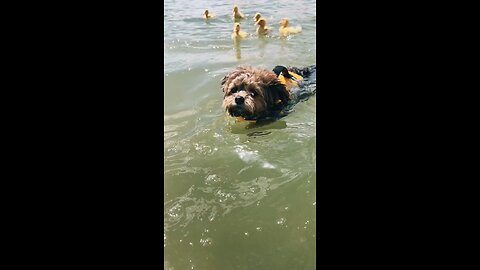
239	100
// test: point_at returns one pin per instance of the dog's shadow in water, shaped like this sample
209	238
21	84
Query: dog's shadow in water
253	129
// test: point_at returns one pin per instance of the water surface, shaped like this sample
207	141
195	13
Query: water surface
235	197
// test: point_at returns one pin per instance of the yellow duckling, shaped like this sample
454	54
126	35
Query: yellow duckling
257	17
237	33
262	28
237	15
285	30
207	15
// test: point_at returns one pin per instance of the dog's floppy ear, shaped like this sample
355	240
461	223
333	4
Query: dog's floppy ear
277	93
224	80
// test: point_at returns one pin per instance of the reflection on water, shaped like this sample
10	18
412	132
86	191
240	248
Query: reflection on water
236	46
237	195
263	40
258	133
251	127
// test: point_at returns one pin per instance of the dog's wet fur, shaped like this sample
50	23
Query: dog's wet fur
257	94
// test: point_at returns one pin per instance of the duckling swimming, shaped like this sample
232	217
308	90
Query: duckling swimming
207	15
262	28
237	33
285	30
237	15
257	17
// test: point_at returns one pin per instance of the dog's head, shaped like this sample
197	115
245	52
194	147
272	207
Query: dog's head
253	93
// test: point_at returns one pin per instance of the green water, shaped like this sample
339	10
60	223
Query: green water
235	197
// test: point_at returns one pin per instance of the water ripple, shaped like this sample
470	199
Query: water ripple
231	186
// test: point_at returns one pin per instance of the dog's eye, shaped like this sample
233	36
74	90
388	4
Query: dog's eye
253	94
234	90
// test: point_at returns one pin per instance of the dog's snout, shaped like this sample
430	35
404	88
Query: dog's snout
239	100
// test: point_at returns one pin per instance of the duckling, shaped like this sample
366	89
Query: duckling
257	17
285	30
288	78
237	33
207	15
262	28
237	15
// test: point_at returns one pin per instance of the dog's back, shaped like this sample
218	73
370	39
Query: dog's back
306	87
305	72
